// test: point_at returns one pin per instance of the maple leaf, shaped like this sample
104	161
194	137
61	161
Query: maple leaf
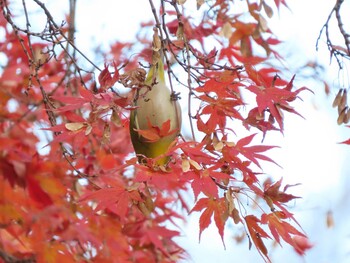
301	244
87	95
256	234
11	172
271	98
195	152
258	121
346	142
105	78
202	182
161	179
158	234
35	183
205	60
37	193
231	52
116	199
279	2
221	106
252	153
217	118
216	207
74	102
242	30
272	194
150	135
54	252
155	133
280	228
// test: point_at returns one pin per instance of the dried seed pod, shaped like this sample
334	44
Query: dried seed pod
330	219
144	210
235	216
342	115
347	116
343	101
185	165
337	98
149	204
156	43
271	119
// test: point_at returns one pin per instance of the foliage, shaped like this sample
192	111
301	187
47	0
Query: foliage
87	197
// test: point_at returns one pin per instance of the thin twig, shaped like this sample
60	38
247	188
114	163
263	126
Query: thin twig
49	16
334	50
49	107
345	35
188	68
158	25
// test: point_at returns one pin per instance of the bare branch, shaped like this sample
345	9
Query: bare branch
337	51
49	16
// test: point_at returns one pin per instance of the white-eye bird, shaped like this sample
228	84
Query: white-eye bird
154	106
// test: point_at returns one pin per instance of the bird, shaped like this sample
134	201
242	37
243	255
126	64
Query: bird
154	108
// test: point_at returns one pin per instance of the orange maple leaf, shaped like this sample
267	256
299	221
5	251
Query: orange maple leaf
155	133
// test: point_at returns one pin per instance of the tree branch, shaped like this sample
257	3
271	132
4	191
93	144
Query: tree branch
337	51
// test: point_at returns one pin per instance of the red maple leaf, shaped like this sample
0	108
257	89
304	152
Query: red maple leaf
216	207
155	133
272	194
348	140
301	244
205	60
221	97
202	183
105	78
258	121
256	234
280	228
74	102
269	96
116	199
37	193
157	235
252	153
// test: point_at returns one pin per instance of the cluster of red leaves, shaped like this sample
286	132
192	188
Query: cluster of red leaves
72	202
85	199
